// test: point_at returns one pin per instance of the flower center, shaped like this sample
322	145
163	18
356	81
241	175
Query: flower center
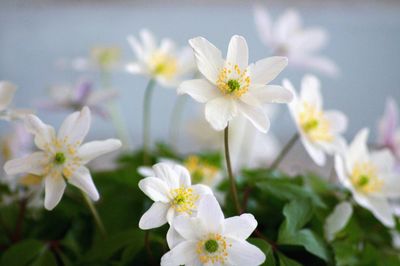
59	158
314	124
183	200
164	65
233	81
200	171
105	57
214	249
364	178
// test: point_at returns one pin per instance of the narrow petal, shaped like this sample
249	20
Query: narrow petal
256	116
54	190
263	23
146	171
310	91
182	254
388	124
341	172
243	253
183	175
7	91
337	120
338	219
83	180
310	40
76	126
210	213
155	188
135	68
358	150
148	39
200	90
136	47
219	112
287	24
165	172
379	207
34	163
94	149
99	97
317	155
265	70
238	52
272	94
44	134
154	217
208	58
173	238
318	63
240	227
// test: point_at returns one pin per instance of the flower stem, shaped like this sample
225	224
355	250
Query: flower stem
148	248
146	120
176	119
285	151
230	173
20	221
95	215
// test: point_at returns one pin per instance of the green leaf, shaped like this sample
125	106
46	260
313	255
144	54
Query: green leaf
266	248
285	261
46	258
30	249
298	213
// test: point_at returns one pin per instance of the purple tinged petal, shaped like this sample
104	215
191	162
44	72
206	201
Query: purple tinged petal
82	91
388	124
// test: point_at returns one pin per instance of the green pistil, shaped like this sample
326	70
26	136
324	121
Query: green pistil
363	180
59	158
179	199
233	85
211	246
310	125
160	68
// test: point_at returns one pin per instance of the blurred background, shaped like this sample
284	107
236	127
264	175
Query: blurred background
35	36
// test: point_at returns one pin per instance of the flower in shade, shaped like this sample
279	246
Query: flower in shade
287	37
173	194
320	131
164	62
389	130
7	91
370	177
231	86
75	98
210	239
62	157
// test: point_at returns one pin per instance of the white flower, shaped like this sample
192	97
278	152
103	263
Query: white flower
62	157
370	177
210	239
287	37
232	86
7	91
320	131
173	194
337	220
162	63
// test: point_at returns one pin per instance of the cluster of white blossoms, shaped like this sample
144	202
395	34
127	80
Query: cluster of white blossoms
198	234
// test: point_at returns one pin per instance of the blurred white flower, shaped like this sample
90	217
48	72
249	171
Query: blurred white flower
62	157
320	131
171	189
337	220
370	177
287	37
75	98
389	130
7	91
210	239
231	87
163	63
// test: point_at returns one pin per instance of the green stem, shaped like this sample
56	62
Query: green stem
146	120
285	151
115	110
95	215
176	119
230	172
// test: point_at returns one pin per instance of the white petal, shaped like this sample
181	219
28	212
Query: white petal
256	116
148	40
93	149
263	24
76	126
238	52
154	217
167	46
340	169
287	24
220	111
309	40
135	68
155	188
83	180
208	58
379	207
244	253
183	175
318	63
337	120
187	227
317	155
44	134
210	213
99	97
384	160
54	190
34	163
201	189
182	254
358	151
200	90
136	47
338	219
7	91
310	91
272	94
165	172
265	70
173	238
240	227
146	171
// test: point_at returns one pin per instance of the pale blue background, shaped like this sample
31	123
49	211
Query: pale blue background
365	43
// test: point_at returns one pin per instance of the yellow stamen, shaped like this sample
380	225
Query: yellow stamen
233	81
200	171
364	177
30	180
314	123
183	200
164	65
213	249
